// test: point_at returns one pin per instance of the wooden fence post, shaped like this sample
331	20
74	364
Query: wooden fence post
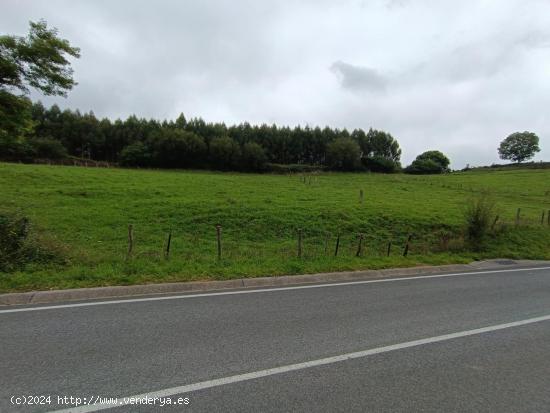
167	252
361	196
337	245
326	242
517	216
406	251
299	243
358	253
130	241
542	218
219	238
494	223
389	249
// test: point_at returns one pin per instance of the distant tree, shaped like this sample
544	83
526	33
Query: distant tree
136	154
430	162
378	144
38	61
175	148
343	154
47	148
253	157
519	146
225	153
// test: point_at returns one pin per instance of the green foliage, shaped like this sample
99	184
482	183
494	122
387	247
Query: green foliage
47	148
85	136
175	148
378	144
87	211
38	60
135	154
519	146
430	162
343	154
381	164
16	247
225	153
479	215
253	157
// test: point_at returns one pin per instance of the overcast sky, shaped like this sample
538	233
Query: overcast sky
457	76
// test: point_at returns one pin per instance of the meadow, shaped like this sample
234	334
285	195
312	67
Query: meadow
83	215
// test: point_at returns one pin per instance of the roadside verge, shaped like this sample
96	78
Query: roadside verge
52	296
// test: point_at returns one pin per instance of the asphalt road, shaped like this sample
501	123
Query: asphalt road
229	342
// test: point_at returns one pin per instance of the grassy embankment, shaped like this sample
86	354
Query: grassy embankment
83	214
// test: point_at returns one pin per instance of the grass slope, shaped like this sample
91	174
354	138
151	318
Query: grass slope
85	213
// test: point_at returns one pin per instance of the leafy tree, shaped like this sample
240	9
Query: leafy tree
519	146
381	164
225	153
378	144
136	154
343	154
253	157
47	148
38	61
430	162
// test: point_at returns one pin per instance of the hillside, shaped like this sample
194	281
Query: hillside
83	215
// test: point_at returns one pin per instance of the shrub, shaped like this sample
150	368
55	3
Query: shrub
225	153
253	157
343	154
47	148
381	164
136	154
479	214
16	247
430	162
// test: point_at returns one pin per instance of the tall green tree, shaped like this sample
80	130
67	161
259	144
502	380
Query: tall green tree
519	146
39	61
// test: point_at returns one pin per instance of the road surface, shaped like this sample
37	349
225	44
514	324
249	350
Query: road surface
465	342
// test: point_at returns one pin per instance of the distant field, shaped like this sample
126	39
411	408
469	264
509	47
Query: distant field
85	212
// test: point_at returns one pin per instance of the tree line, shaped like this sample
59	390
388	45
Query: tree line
194	143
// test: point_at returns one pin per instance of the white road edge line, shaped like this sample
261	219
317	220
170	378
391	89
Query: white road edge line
263	290
124	401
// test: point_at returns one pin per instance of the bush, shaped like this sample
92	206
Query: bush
343	154
253	157
136	154
47	148
479	215
16	247
430	162
381	164
225	153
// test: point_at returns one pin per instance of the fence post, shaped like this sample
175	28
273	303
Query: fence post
130	241
358	253
517	216
494	223
389	249
167	252
406	251
299	243
326	242
219	238
337	245
542	218
361	196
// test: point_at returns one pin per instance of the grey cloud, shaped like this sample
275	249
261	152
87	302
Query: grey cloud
359	78
454	76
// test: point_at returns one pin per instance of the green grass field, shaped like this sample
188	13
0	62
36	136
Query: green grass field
83	214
